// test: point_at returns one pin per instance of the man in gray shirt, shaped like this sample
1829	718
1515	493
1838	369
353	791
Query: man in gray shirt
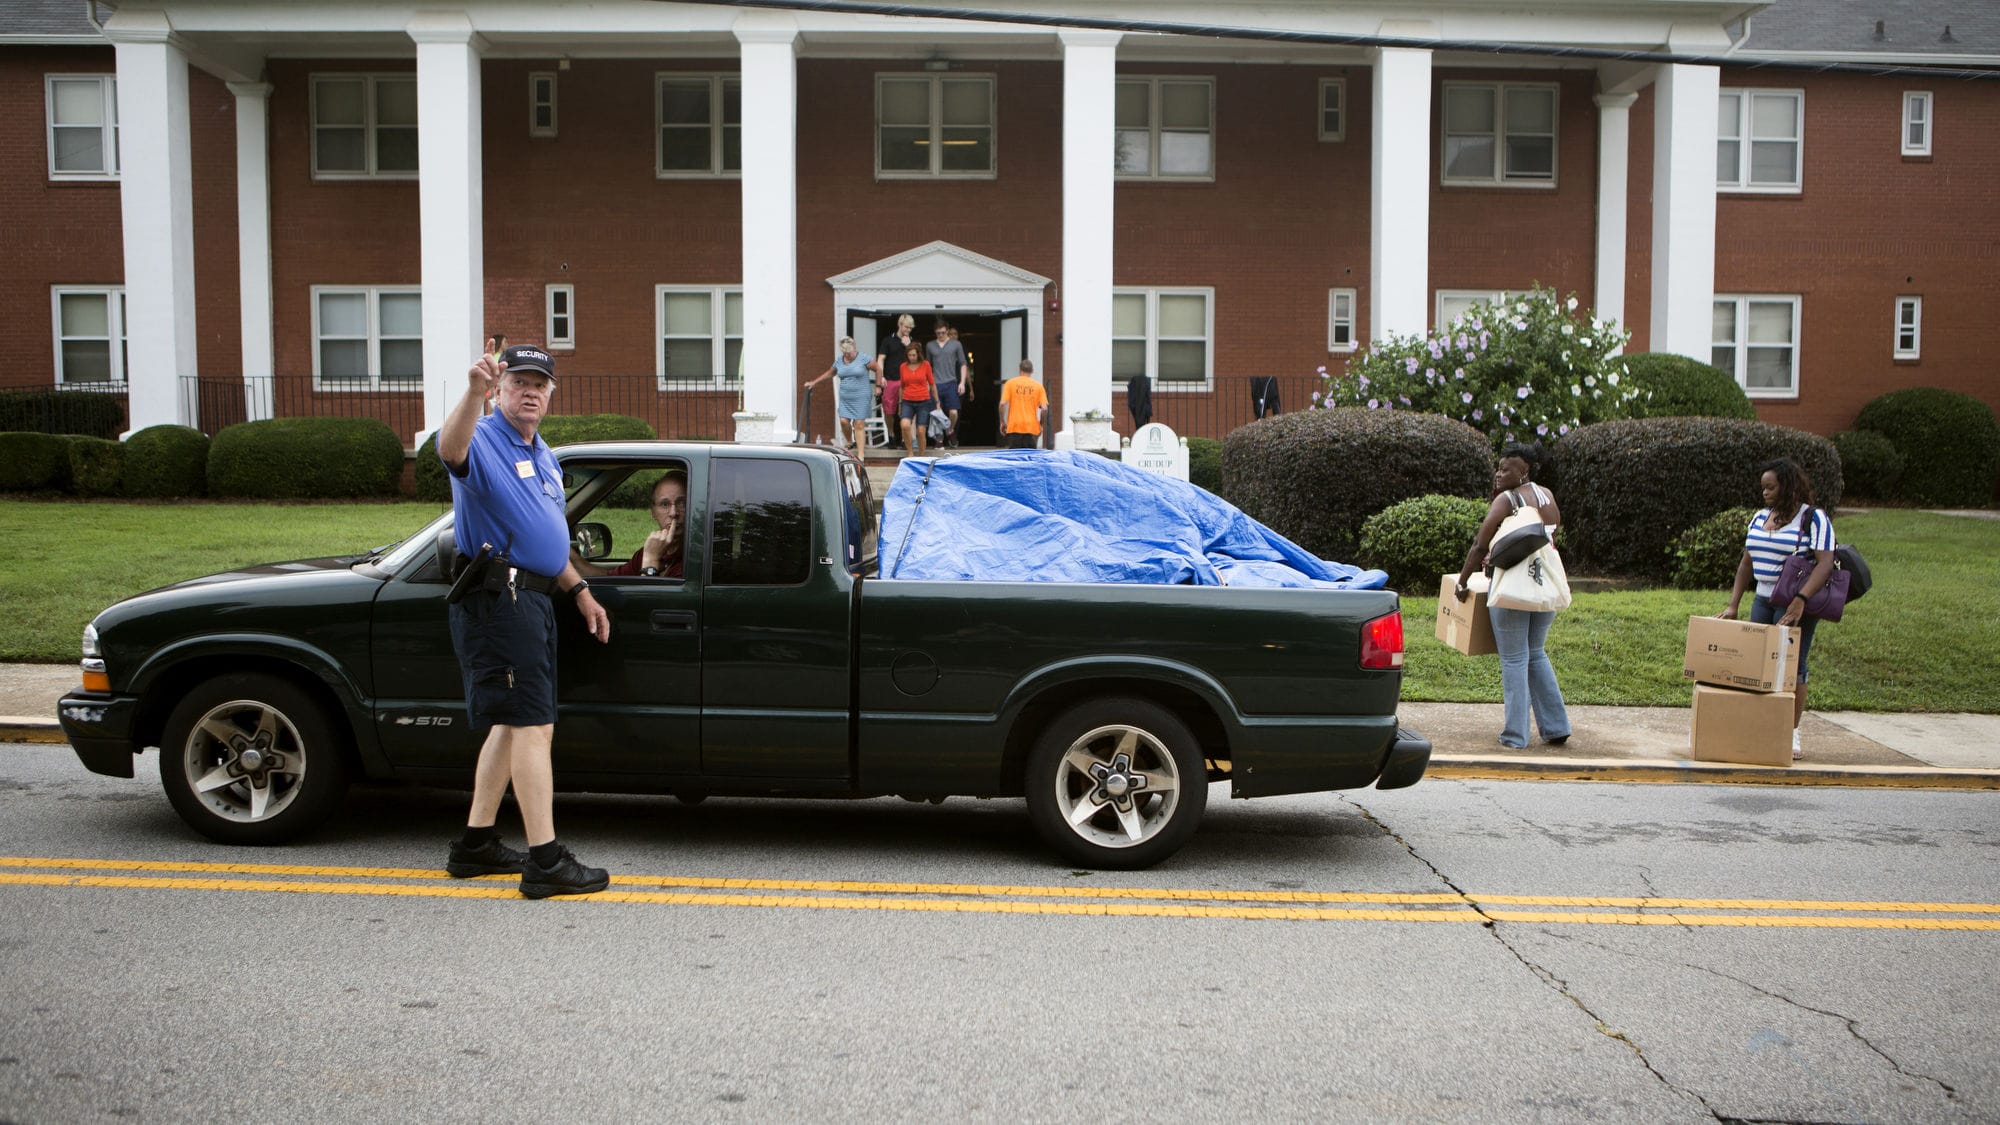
951	370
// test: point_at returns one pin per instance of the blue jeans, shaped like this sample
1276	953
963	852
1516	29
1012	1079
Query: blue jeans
1762	612
1526	677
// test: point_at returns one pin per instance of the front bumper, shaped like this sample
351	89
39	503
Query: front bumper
99	729
1409	756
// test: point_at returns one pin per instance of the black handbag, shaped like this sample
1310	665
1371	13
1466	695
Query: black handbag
1516	539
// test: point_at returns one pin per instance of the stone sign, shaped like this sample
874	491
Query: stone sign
1156	449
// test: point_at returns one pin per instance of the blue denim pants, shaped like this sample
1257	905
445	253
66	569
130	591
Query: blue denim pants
1527	680
1764	613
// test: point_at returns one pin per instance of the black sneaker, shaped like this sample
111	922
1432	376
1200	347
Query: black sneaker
563	877
490	858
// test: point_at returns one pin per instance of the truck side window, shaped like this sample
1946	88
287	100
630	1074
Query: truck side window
760	532
860	515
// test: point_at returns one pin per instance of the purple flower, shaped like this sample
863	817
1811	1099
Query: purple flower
1364	382
1410	364
1322	369
1521	392
1430	374
1562	429
1485	338
1374	404
1404	399
1459	374
1436	351
1477	414
1543	429
1465	397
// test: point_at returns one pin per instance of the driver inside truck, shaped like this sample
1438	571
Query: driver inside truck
660	555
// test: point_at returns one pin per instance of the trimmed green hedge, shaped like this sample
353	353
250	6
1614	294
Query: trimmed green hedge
1681	387
1950	444
1869	463
1316	475
434	484
1419	539
162	461
32	461
1629	488
62	412
96	466
1205	463
1705	555
305	459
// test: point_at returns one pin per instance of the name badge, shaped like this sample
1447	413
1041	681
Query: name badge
524	469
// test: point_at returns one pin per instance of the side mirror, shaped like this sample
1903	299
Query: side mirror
446	546
591	540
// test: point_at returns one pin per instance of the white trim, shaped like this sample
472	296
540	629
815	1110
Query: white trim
1739	365
1336	321
107	125
720	377
564	340
1501	175
1155	128
1927	120
1339	130
1744	141
1915	329
373	380
718	125
935	142
1151	296
535	103
114	321
371	127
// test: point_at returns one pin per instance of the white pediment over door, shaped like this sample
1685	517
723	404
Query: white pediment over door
938	267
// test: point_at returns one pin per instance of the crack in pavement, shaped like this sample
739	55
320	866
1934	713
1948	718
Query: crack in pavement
1852	1025
1646	877
1554	838
1556	984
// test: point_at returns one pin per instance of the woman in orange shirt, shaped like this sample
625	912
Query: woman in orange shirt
919	393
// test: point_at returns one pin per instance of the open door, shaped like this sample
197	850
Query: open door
1014	349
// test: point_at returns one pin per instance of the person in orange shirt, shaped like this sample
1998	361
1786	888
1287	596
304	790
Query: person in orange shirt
1024	401
918	395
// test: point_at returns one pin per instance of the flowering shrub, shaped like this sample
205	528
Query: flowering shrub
1521	369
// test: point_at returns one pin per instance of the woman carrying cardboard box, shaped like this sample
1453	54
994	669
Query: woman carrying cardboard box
1788	525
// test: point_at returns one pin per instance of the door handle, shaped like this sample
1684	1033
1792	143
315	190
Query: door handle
673	620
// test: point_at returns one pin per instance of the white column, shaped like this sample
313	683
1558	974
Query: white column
1614	134
1684	106
768	43
450	198
156	203
253	241
1399	237
1089	137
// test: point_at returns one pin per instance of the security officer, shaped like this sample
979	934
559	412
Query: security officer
507	495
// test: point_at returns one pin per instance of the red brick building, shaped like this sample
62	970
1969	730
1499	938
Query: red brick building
218	206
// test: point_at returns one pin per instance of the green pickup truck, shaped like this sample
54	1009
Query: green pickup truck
777	667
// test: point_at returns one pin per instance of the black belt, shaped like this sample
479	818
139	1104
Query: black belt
496	577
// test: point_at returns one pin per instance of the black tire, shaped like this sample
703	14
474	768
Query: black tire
1080	788
297	763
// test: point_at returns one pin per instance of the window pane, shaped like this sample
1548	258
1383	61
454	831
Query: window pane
1184	154
732	101
1450	307
1468	158
1128	358
1531	111
906	149
1728	112
78	102
732	148
86	361
687	314
402	359
906	102
690	359
402	314
343	314
1128	314
1723	357
1134	105
559	302
343	359
1774	116
732	315
1773	162
684	150
1916	139
1134	153
1185	360
761	533
1531	158
80	149
968	102
338	102
1770	322
1184	105
85	314
1183	315
396	150
1468	109
968	150
732	359
1728	162
342	150
684	102
1769	369
396	101
544	117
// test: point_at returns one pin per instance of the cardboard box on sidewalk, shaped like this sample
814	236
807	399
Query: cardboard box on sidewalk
1753	727
1464	625
1741	654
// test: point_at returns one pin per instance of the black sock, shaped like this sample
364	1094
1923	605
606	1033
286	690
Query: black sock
479	837
545	855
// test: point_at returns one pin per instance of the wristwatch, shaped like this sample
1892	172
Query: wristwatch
650	572
577	590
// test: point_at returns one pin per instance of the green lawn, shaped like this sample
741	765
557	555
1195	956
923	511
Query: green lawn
1927	638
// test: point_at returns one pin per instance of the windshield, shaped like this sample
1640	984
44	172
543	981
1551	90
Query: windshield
409	550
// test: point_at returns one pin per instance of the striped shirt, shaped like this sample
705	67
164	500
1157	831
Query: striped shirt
1769	547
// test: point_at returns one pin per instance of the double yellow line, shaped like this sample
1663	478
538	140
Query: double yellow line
974	898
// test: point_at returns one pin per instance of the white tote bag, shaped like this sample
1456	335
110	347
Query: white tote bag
1537	584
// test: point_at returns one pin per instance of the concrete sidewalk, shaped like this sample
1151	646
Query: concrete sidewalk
1610	743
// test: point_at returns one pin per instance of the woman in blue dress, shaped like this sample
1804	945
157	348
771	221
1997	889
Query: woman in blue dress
854	394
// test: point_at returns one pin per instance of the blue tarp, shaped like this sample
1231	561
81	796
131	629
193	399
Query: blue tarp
1026	515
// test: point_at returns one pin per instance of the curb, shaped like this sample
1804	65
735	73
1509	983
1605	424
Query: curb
1494	767
21	728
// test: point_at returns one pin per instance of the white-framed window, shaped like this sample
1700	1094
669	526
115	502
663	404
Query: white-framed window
1340	320
700	119
560	323
89	333
1909	327
1167	334
700	335
1333	109
939	125
364	126
82	126
542	103
1501	133
1454	303
1760	140
367	338
1756	339
1165	128
1916	123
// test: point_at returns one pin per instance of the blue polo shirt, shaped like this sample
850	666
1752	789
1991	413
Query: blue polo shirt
511	495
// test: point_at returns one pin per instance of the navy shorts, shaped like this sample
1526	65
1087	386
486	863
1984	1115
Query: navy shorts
947	394
918	412
507	656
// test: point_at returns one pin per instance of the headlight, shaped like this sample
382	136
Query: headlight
90	641
95	677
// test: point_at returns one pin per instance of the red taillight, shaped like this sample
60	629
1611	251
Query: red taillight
1382	642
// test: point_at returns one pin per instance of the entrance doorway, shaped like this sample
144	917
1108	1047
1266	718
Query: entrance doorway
995	342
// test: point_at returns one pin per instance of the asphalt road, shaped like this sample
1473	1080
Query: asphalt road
1494	951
